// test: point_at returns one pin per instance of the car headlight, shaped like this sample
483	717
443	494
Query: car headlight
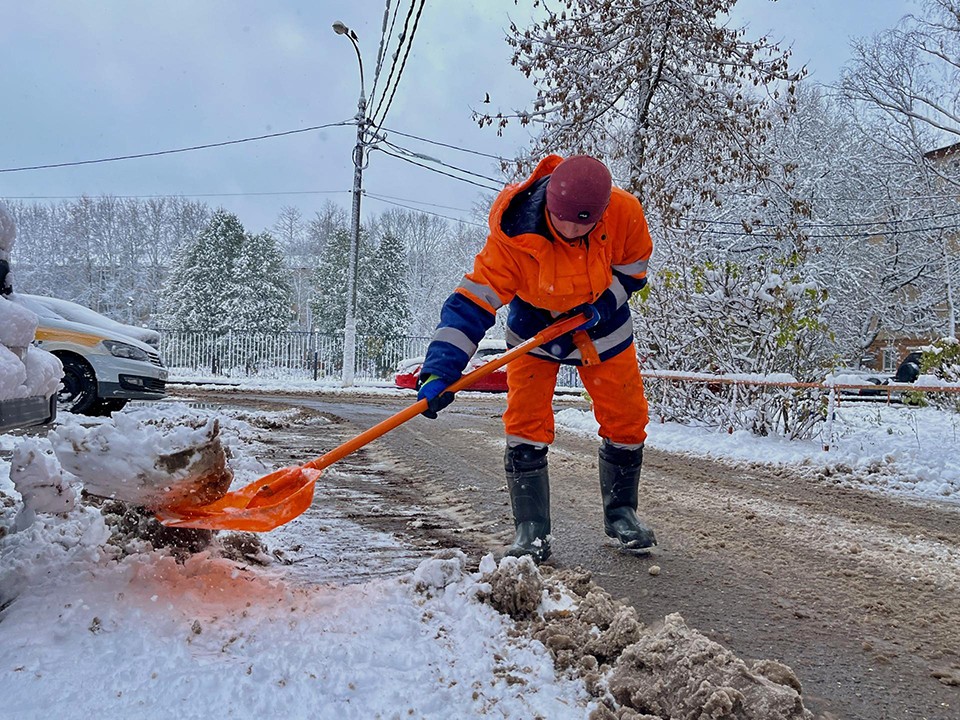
123	350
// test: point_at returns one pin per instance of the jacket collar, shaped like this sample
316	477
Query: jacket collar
518	215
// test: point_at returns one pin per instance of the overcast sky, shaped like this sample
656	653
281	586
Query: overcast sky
85	80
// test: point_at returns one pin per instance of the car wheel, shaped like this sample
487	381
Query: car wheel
79	393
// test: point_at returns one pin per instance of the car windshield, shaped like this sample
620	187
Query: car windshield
35	307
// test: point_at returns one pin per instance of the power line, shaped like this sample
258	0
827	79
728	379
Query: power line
179	195
404	36
177	150
419	202
425	212
384	41
385	37
377	196
441	172
908	231
452	147
873	223
427	158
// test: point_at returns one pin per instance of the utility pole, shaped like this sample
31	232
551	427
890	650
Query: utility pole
350	320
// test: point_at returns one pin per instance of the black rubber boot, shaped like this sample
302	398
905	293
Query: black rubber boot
619	478
529	484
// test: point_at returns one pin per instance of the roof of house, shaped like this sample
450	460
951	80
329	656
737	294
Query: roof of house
942	152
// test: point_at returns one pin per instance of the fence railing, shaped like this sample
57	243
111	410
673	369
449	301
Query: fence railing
282	354
294	355
788	408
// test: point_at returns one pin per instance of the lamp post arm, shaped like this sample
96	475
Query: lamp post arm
363	100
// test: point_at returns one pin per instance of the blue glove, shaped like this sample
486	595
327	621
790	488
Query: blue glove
431	388
593	316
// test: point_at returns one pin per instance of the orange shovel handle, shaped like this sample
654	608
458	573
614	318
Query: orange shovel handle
544	336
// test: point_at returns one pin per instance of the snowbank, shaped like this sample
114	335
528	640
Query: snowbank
883	447
25	371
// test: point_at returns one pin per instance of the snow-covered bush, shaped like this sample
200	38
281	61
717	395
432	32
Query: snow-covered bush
942	360
757	318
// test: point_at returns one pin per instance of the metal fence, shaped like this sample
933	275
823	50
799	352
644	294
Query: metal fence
293	355
282	354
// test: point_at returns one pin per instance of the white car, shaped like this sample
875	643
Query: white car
77	313
102	368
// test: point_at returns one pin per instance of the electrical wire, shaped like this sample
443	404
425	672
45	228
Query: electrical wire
180	195
381	198
874	223
838	236
177	150
384	41
403	64
427	158
396	54
420	202
452	147
440	172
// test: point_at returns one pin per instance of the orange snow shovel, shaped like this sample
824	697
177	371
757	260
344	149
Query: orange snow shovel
279	497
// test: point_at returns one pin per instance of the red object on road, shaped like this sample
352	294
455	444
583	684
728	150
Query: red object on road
409	370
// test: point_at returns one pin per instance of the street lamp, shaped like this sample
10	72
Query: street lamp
350	321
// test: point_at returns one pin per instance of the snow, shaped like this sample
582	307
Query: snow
910	451
25	371
203	635
211	637
74	312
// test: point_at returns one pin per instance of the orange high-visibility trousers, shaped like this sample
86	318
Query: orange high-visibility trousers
614	385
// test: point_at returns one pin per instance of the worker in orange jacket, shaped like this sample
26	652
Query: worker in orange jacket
563	241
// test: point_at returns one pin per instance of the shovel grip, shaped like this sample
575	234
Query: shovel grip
549	333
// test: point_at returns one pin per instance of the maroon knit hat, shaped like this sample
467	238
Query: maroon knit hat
579	189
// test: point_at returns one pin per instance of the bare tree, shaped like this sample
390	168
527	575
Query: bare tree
903	85
911	74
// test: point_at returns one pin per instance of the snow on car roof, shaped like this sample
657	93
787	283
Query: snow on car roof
492	344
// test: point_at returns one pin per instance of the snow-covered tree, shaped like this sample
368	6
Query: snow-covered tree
910	74
227	279
303	244
769	315
290	230
674	98
329	302
260	296
383	309
165	225
107	253
320	229
438	253
383	305
198	293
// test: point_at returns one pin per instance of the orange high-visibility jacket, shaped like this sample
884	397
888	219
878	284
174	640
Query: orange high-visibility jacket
542	276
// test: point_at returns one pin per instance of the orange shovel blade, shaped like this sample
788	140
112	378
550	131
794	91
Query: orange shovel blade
261	506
